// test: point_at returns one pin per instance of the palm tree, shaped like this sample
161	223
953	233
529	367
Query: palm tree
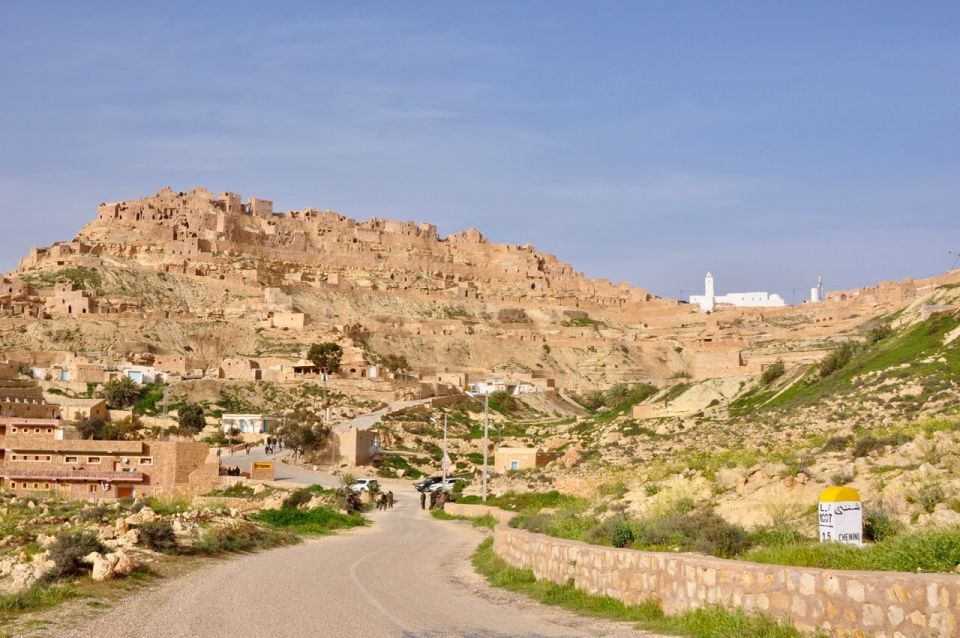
616	394
121	392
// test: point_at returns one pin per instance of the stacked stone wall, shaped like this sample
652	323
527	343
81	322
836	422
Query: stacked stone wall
842	602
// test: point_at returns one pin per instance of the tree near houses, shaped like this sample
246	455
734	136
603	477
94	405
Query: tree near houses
395	363
121	393
326	356
191	419
303	432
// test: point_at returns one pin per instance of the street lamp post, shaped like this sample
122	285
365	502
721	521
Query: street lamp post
446	459
486	434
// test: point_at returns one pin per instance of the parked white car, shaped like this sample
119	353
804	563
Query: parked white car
448	486
364	485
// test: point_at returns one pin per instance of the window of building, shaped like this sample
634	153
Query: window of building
92	487
93	459
69	459
13	485
146	460
514	465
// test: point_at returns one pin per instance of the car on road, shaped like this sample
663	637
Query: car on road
364	485
448	486
426	484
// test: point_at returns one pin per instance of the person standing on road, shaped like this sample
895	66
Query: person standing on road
423	500
390	499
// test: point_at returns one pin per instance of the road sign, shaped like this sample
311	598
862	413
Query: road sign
841	516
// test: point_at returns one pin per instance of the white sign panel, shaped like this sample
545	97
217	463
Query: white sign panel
841	516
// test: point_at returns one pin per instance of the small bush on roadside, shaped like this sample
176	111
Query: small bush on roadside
927	496
296	499
320	520
95	514
879	526
237	490
242	537
622	535
67	553
158	536
169	505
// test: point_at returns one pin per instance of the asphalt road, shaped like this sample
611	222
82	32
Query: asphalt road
405	575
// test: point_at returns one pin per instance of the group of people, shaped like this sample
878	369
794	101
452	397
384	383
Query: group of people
230	471
272	445
437	499
385	500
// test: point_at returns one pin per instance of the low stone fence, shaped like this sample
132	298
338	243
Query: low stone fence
846	603
476	511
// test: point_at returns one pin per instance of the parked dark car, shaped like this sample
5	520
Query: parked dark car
426	484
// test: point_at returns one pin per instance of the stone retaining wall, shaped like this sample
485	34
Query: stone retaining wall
846	603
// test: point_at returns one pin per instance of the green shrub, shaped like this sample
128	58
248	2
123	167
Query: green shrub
699	531
869	443
841	478
622	535
927	496
879	526
320	520
98	513
651	489
879	333
158	536
168	506
67	553
838	358
773	372
837	443
296	499
241	537
237	490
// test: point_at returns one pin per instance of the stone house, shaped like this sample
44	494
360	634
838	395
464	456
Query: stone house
521	458
66	300
75	409
358	447
34	457
239	368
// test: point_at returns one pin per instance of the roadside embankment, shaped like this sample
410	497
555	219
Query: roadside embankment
839	601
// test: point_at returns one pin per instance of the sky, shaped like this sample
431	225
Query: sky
647	142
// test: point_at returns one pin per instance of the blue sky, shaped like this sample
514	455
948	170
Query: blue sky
646	142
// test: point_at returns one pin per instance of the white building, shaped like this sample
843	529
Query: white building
247	423
710	300
816	293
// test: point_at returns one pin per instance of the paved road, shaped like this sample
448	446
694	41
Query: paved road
367	421
282	471
405	575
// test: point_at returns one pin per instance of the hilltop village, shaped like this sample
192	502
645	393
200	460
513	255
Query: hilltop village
202	299
143	361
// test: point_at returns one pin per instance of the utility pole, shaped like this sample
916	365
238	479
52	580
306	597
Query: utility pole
486	434
445	463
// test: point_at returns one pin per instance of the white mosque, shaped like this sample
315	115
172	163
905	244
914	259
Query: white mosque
709	300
